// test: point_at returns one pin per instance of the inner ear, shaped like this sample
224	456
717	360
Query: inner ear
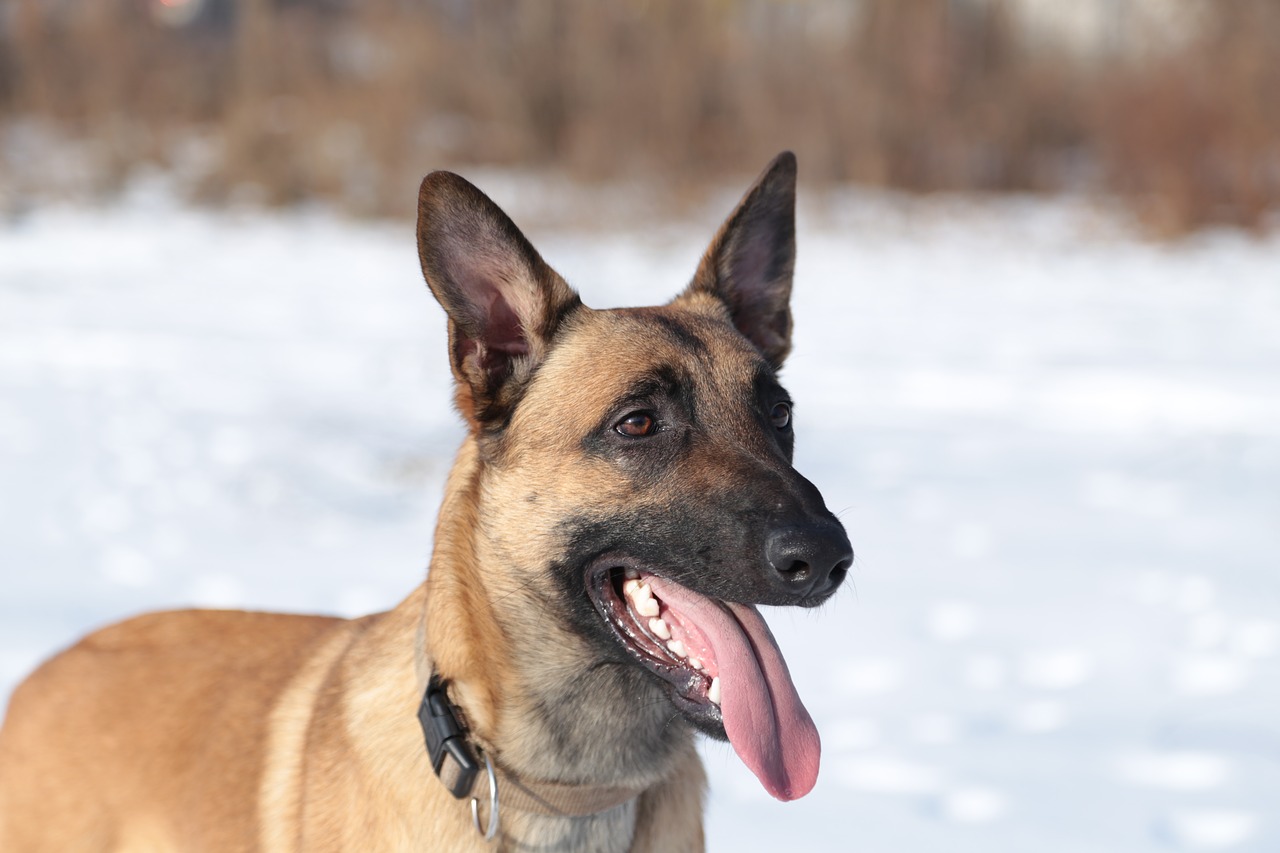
751	261
486	315
505	331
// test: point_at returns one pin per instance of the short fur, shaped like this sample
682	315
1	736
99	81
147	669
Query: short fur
230	731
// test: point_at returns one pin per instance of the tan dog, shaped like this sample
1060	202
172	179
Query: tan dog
623	499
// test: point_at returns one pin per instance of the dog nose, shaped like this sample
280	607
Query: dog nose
811	560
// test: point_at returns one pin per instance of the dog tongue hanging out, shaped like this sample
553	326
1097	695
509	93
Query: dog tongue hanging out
622	503
763	717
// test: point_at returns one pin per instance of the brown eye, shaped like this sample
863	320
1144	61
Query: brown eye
637	425
781	415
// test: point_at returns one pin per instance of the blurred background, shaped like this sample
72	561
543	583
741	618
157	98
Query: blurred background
1169	104
1037	353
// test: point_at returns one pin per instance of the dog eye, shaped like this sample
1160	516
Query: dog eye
637	425
781	415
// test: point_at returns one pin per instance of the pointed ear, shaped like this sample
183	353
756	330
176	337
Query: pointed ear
504	303
751	260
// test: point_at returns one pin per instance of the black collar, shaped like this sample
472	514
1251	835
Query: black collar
452	757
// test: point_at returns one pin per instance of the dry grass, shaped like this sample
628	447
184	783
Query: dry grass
290	100
1193	137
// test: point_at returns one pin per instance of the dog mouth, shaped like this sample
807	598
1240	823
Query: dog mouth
668	645
724	670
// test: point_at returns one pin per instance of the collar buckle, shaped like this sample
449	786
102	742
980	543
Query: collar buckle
452	758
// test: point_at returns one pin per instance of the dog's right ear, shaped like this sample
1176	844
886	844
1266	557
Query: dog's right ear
504	302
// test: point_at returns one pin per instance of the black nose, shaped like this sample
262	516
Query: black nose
810	560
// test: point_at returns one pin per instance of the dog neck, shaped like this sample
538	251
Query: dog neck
521	686
382	670
602	815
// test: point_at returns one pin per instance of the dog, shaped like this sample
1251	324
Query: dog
623	500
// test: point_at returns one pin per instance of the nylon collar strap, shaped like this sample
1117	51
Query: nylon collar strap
455	761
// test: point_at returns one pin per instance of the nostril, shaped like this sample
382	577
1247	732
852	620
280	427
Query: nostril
799	570
837	574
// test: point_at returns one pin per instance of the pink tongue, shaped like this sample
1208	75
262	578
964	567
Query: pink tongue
768	726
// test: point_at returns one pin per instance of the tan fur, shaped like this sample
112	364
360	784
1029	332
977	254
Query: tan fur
226	731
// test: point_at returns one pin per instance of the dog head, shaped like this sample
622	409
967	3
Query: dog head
634	497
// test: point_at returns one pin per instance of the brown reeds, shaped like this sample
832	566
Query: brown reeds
1192	137
287	100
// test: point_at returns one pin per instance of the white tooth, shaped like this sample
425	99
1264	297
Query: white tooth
632	574
630	587
677	648
695	663
646	606
713	692
660	629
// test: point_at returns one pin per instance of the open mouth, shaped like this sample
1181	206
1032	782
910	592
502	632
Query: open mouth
662	640
725	671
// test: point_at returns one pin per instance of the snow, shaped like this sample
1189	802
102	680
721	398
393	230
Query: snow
1056	448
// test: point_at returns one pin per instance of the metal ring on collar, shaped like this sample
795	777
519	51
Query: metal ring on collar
493	802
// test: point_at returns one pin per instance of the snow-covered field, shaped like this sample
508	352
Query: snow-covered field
1056	448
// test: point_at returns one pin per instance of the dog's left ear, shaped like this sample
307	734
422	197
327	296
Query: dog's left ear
750	262
504	302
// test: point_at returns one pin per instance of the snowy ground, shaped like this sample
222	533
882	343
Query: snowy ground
1057	451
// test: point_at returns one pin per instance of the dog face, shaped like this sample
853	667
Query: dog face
638	498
